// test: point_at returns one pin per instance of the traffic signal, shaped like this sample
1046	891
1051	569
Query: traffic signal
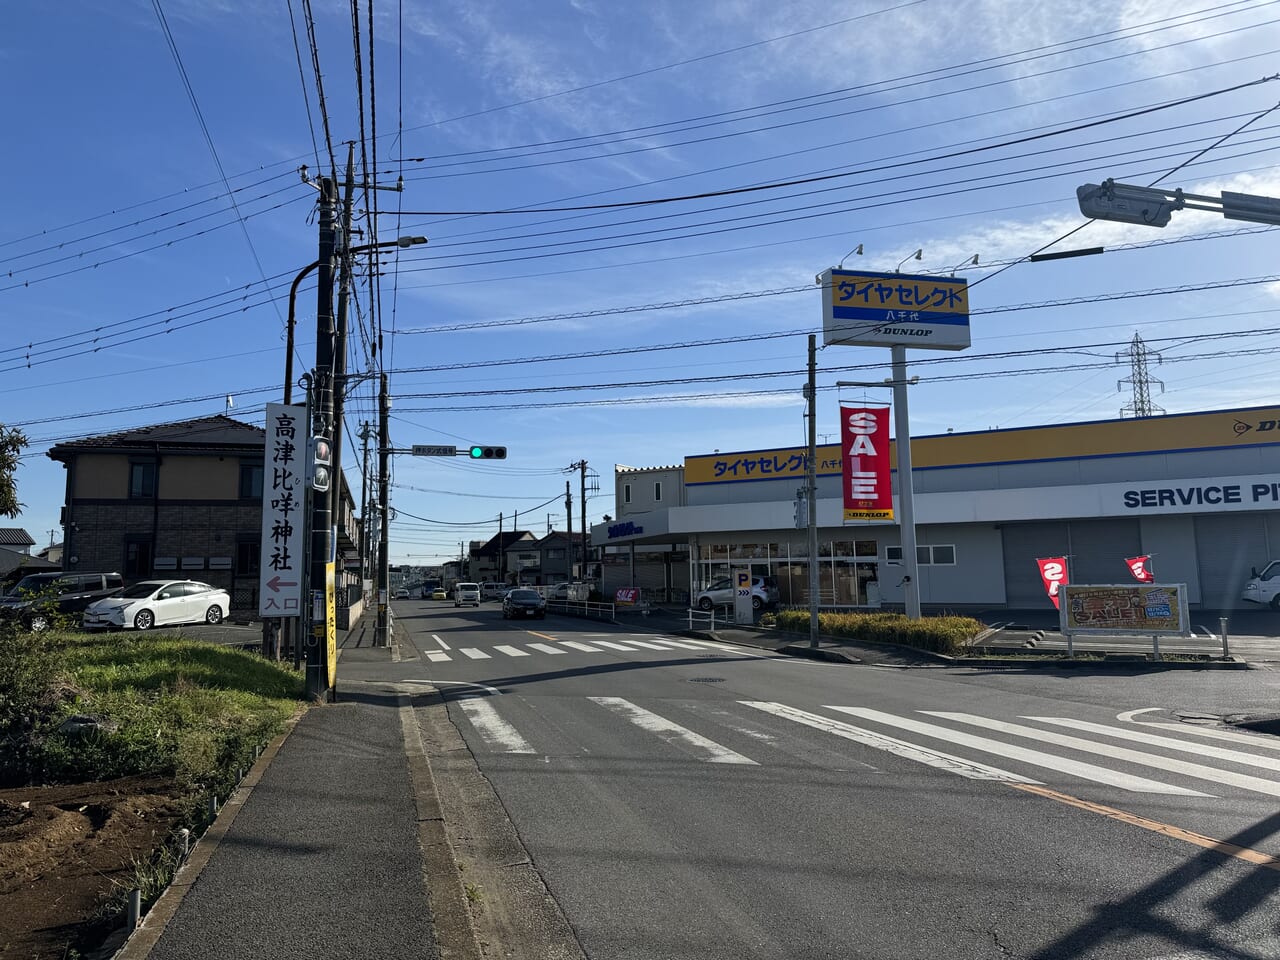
321	456
488	453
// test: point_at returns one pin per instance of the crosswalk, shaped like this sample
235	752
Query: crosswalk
1134	756
553	647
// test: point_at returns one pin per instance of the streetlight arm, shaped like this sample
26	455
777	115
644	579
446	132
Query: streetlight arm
1152	206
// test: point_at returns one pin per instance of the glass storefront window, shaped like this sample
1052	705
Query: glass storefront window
866	548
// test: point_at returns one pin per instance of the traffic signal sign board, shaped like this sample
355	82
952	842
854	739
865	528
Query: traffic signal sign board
488	453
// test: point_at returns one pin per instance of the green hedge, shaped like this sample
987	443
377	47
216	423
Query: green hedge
947	634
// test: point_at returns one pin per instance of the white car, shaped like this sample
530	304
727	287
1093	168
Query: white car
466	593
156	603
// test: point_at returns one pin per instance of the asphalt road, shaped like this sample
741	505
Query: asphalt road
686	799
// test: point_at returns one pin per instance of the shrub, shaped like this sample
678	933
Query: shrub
32	686
946	634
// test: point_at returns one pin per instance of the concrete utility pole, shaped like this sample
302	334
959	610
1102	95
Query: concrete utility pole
811	488
317	676
568	513
501	553
581	467
339	386
381	635
365	433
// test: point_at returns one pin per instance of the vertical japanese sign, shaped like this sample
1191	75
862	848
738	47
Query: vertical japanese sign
283	502
1140	567
864	461
1053	570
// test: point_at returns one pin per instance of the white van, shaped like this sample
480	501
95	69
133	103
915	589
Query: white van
492	590
1265	586
466	593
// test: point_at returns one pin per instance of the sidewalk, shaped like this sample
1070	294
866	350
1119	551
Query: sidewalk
317	855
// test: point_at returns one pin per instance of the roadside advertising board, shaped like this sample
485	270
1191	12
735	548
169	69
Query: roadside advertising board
1126	609
861	309
864	432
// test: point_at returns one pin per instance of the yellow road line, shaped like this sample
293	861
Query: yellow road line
543	636
1256	857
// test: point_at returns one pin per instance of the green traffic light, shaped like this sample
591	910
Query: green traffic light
477	453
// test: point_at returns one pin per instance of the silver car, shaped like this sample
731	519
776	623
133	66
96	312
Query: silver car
764	593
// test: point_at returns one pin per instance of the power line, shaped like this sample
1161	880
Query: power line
302	76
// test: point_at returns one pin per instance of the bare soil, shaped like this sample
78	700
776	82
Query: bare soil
64	849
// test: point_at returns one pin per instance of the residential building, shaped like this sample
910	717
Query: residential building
489	561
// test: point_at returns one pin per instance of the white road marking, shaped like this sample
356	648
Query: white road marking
1036	758
1231	736
435	656
672	733
576	645
614	645
489	691
721	648
879	741
495	731
1169	743
1128	715
475	654
511	651
645	644
546	648
686	644
443	645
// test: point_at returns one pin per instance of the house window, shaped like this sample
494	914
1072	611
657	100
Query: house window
137	558
248	554
555	553
250	481
626	493
937	555
657	491
142	480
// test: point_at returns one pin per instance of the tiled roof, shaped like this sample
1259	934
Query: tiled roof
216	432
15	537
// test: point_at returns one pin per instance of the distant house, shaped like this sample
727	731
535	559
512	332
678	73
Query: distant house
15	565
178	500
16	539
488	561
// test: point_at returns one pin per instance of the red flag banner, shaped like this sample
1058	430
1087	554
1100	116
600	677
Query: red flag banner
1053	570
1140	567
864	463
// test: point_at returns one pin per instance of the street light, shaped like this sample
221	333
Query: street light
1153	206
403	242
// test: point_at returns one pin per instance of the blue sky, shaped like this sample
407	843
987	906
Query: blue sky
134	292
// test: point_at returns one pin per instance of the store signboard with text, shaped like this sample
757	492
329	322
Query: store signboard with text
862	309
864	433
1129	609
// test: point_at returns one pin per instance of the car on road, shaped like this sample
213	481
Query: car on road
764	593
403	594
493	590
156	603
439	593
523	602
468	593
40	598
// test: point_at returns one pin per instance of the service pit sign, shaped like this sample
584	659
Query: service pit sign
861	309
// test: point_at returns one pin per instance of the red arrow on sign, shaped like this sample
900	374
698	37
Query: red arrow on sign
275	583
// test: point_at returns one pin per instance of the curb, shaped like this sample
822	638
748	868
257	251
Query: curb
153	924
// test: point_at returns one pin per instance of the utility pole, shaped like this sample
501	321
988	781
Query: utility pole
339	386
1139	379
381	635
568	513
811	488
501	553
582	505
365	433
317	646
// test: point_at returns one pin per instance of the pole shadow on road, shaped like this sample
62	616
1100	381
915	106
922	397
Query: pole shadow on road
1136	916
503	684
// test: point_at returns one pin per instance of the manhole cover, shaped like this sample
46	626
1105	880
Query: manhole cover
706	679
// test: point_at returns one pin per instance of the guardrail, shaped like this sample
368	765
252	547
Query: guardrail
582	608
703	619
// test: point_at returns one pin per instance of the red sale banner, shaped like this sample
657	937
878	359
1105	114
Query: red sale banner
1053	570
1140	567
864	463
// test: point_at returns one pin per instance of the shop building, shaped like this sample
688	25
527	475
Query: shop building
1198	493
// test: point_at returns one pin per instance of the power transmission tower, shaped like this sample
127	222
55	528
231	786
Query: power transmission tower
1139	379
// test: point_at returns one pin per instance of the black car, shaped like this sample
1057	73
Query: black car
522	602
38	596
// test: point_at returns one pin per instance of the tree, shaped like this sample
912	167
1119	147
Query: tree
12	442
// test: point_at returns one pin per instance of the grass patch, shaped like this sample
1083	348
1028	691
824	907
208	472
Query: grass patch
182	709
946	634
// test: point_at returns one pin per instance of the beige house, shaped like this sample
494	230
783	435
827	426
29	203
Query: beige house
178	500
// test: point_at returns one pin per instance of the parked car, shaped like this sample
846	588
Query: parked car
439	593
764	593
466	593
403	594
493	590
1264	587
155	603
523	602
39	596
